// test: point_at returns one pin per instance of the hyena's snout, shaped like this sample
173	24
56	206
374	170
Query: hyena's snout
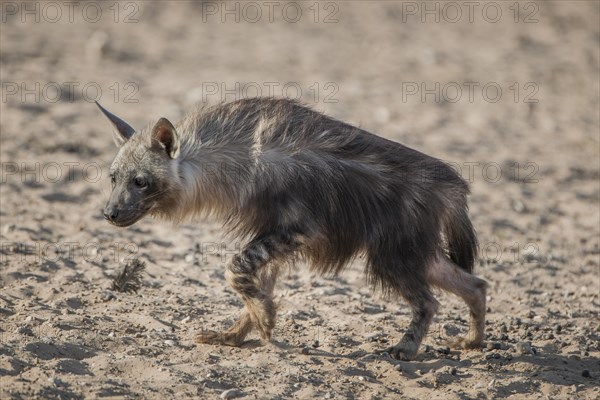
123	214
111	213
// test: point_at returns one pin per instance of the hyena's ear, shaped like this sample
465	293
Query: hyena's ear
165	135
122	131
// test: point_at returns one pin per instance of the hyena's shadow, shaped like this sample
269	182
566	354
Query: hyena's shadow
427	361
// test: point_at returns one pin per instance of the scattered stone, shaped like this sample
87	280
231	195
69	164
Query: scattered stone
8	228
24	330
585	373
493	346
489	356
55	381
170	342
315	344
524	348
518	206
96	47
231	394
305	350
107	296
453	371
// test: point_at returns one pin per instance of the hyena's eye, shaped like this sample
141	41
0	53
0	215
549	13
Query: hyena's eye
140	182
113	179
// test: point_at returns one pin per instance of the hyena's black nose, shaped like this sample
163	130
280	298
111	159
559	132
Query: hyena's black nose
111	213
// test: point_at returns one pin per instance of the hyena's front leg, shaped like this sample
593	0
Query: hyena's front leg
252	274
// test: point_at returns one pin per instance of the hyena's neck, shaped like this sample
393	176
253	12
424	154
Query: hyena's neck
213	176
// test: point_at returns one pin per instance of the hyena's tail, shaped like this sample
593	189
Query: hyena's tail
461	237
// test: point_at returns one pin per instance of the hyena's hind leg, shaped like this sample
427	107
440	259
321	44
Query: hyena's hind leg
446	275
253	274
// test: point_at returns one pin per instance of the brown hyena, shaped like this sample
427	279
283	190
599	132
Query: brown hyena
296	183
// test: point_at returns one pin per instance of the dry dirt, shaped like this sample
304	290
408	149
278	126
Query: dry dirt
531	154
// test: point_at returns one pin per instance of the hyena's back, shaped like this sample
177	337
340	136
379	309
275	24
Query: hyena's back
343	190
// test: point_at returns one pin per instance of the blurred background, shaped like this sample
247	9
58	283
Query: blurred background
507	92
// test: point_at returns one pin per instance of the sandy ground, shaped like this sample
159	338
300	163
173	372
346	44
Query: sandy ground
511	99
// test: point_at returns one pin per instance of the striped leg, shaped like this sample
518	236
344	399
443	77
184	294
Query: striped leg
253	274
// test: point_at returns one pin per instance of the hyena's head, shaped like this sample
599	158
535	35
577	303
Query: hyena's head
144	173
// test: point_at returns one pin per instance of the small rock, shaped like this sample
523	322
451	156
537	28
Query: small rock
96	47
518	206
171	343
398	368
55	381
453	371
305	350
47	340
524	348
493	346
231	394
189	258
585	373
24	330
107	296
186	320
8	228
315	344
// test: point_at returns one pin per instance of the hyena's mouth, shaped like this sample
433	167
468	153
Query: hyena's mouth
128	220
126	223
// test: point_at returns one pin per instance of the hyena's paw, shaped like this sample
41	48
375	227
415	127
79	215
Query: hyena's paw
220	338
403	352
263	313
466	343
